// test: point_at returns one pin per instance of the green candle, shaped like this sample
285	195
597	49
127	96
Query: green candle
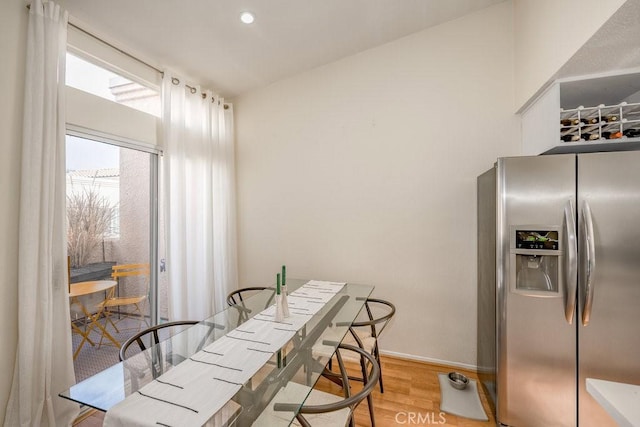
278	284
284	275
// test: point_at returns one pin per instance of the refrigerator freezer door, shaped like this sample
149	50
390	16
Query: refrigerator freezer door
571	262
609	345
536	342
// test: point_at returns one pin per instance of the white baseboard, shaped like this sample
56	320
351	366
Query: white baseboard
429	360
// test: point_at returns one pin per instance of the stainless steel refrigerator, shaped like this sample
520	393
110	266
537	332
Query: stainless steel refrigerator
558	284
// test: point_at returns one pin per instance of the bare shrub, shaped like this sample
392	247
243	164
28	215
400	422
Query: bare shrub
89	217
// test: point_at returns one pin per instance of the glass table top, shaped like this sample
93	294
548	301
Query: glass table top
300	361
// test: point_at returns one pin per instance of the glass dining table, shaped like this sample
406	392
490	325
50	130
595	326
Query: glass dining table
302	360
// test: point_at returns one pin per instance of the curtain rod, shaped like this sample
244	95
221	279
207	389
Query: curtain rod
116	48
191	88
174	80
111	46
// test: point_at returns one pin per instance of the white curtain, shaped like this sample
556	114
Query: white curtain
43	364
198	179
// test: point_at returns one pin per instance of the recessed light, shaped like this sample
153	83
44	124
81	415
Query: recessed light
247	17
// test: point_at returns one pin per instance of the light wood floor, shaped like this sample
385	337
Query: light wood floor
409	388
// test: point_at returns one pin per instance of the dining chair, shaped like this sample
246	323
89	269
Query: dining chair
238	296
136	300
237	299
152	336
161	355
326	409
365	334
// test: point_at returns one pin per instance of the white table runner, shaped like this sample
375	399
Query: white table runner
191	393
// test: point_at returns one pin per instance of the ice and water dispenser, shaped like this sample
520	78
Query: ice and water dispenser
535	260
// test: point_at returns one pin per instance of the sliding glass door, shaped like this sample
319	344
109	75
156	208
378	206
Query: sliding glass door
112	226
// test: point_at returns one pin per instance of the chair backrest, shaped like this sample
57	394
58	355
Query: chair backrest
239	295
152	334
350	401
379	319
236	299
126	270
131	270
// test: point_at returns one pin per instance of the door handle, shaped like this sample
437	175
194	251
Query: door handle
571	263
590	247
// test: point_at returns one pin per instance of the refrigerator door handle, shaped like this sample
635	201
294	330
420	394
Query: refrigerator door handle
590	264
571	266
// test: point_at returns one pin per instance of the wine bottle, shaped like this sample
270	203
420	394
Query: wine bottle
569	122
590	136
610	118
570	138
632	133
590	120
612	135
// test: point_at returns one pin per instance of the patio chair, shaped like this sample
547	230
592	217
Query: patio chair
134	302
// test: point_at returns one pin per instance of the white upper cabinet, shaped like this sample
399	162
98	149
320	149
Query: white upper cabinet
590	113
592	103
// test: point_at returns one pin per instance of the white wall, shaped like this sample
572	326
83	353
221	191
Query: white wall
13	39
365	170
548	33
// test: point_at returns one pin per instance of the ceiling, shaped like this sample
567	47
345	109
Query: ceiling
608	65
205	40
613	47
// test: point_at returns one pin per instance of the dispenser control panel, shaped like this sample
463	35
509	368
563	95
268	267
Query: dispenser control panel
536	240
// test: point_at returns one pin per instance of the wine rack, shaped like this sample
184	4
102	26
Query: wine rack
619	122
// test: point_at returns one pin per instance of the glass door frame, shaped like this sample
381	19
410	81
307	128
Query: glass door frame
155	153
